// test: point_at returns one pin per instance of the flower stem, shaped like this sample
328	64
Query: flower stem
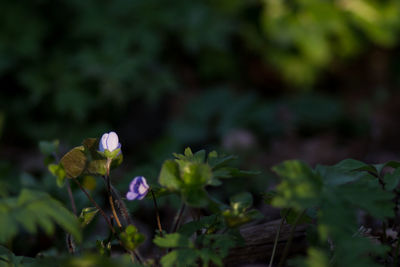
277	237
96	205
289	242
110	198
157	213
178	218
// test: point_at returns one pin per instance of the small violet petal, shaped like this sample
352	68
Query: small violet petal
138	188
131	196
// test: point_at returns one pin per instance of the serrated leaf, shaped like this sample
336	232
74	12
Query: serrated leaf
74	162
41	209
300	186
174	240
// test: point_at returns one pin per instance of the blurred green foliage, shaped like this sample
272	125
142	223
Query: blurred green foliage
305	36
74	61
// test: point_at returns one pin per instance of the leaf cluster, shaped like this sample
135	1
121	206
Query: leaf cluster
337	193
33	209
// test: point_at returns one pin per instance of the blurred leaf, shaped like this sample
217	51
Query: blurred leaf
241	202
195	174
206	222
58	171
180	258
174	240
169	175
392	180
41	209
195	197
48	148
341	173
292	215
131	238
300	187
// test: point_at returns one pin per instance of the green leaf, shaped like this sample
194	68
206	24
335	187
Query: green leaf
216	161
369	195
174	240
291	216
195	174
103	248
87	215
180	258
392	180
344	172
300	187
58	171
241	202
170	176
74	162
131	238
41	209
188	153
195	197
206	222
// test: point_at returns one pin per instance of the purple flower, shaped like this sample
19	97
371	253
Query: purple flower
109	141
137	189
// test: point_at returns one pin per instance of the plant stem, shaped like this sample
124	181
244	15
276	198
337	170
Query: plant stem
178	218
277	238
157	213
289	242
110	198
96	205
71	198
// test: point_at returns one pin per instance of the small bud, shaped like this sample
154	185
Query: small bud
109	143
138	188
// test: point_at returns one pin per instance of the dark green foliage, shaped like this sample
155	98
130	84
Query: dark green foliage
337	193
33	209
190	173
131	238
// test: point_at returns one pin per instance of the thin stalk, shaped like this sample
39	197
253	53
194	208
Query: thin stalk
157	213
289	242
71	197
277	238
110	198
96	205
178	218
